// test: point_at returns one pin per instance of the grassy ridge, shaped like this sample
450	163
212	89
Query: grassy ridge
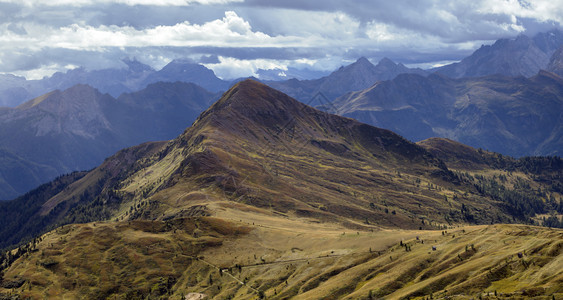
130	259
228	259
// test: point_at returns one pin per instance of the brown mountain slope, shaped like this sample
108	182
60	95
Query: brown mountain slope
76	197
259	147
462	157
530	184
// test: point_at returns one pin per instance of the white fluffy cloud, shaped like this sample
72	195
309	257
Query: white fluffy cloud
229	67
230	31
46	36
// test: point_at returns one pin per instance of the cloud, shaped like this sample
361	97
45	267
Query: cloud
229	67
76	3
230	31
454	20
541	10
50	34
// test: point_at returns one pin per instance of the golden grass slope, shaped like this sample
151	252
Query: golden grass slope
262	255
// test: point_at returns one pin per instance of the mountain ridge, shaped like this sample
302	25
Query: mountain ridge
494	112
133	76
356	76
521	56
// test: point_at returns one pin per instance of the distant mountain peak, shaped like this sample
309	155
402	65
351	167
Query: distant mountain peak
357	76
181	61
77	92
79	96
184	64
363	60
78	110
519	56
386	62
188	71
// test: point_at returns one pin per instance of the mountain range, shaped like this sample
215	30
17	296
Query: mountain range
75	129
134	76
420	186
259	147
264	196
356	76
522	56
429	108
515	116
79	127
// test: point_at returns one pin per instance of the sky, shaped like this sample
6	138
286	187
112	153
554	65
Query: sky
235	38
